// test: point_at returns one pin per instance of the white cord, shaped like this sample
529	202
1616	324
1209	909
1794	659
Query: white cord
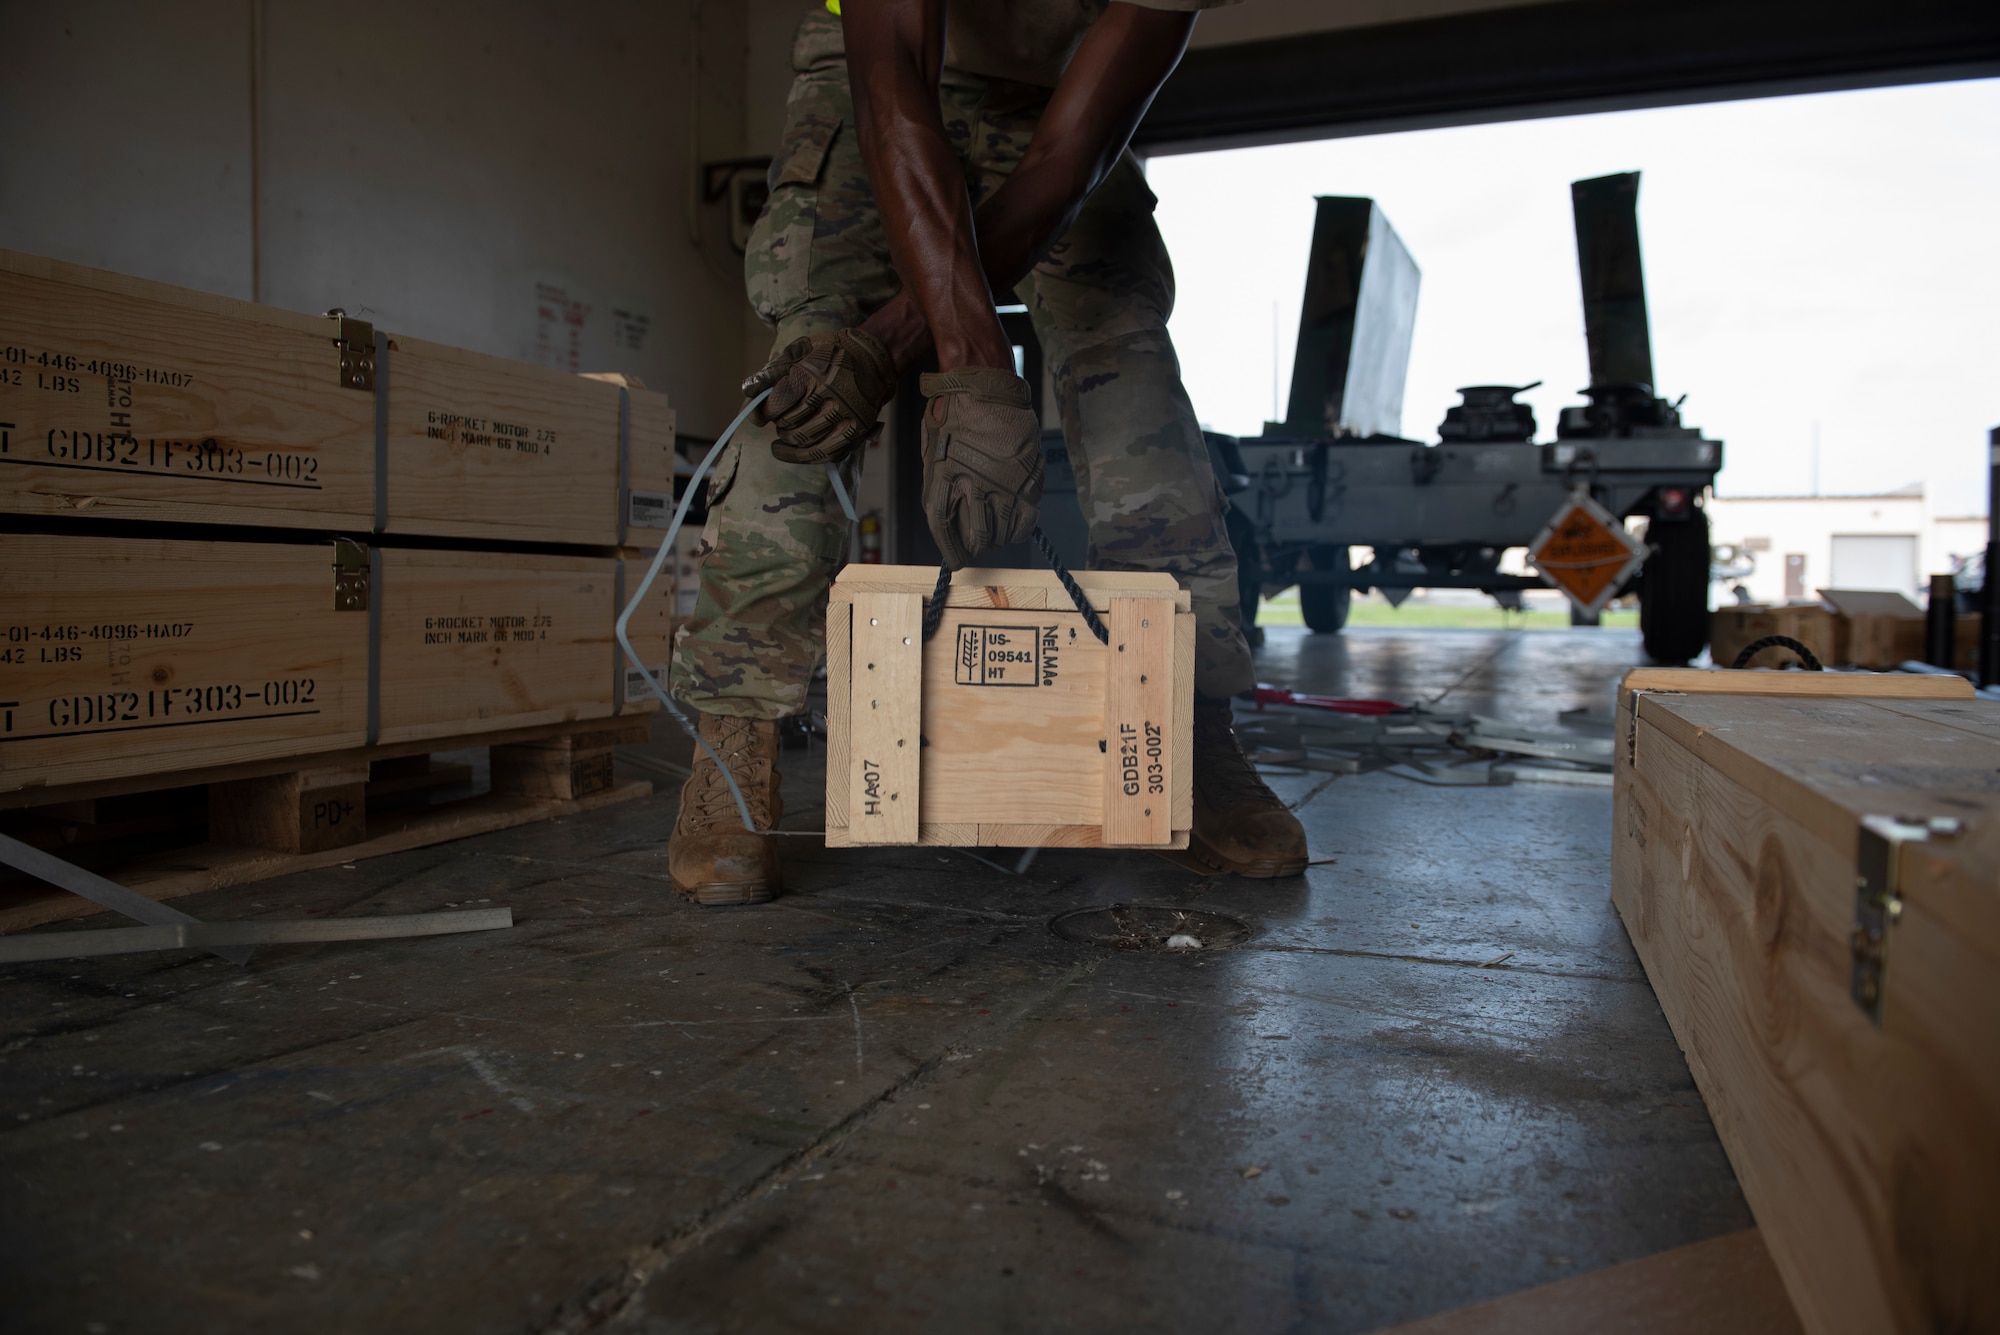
645	587
653	573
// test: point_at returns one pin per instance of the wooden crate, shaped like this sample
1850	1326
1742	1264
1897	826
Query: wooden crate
129	656
121	398
1856	1089
1013	726
1738	625
1883	630
123	655
478	641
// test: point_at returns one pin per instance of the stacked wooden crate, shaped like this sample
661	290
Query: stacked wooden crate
1808	864
237	538
1861	628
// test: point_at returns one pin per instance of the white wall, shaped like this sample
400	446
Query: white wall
1808	524
454	170
127	141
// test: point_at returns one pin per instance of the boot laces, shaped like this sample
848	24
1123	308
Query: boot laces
709	800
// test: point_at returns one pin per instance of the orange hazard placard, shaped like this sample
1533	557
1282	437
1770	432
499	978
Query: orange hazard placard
1586	553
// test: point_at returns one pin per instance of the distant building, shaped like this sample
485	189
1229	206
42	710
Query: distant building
1801	544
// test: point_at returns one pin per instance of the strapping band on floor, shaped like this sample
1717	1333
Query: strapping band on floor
245	935
105	894
168	928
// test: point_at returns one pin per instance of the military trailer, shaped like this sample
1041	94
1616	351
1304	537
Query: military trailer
1334	476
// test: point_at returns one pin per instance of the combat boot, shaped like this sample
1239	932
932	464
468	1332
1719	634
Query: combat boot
712	858
1240	826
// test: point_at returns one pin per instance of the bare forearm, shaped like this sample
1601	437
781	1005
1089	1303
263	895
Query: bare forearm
1113	78
894	47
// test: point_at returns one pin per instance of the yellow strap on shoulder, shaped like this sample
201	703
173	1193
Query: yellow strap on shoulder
833	7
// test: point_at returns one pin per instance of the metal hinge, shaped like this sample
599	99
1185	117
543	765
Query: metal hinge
356	343
1878	898
350	576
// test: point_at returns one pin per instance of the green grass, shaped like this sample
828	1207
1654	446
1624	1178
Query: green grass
1284	611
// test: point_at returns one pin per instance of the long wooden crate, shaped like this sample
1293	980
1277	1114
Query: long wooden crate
1013	726
127	399
129	656
1809	867
1865	629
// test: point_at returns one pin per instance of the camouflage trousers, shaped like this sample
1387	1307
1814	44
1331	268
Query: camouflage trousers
818	262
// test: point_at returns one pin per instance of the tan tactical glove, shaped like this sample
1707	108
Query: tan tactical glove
827	393
982	461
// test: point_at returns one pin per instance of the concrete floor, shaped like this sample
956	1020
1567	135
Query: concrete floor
893	1099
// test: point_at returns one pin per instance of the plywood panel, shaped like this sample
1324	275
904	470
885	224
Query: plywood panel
1013	720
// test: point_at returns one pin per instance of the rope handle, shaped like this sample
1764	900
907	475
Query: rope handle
1808	659
934	609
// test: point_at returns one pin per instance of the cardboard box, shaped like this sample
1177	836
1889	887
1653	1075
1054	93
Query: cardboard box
1809	867
125	399
124	656
1013	726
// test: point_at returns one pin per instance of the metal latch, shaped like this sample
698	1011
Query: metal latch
1878	899
356	344
350	576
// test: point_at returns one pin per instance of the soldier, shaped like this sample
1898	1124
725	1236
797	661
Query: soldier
925	167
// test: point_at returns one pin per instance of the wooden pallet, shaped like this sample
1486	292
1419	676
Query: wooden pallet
322	811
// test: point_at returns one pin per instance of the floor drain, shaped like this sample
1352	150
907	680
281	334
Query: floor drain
1151	927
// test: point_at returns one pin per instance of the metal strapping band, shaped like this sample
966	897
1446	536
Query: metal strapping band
624	464
381	431
374	645
230	938
105	894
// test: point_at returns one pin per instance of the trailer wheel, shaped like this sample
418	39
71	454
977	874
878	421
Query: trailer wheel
1673	589
1249	571
1325	605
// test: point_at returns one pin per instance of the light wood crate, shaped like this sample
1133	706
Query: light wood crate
1856	1090
1013	726
1734	627
130	656
127	399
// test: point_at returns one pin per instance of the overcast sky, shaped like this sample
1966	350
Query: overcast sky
1829	260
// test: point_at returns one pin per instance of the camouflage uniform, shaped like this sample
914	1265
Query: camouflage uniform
818	262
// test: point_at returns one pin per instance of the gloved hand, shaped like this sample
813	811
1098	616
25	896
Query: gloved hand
827	393
982	461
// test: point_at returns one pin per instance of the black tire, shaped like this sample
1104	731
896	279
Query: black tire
1673	589
1249	571
1325	605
